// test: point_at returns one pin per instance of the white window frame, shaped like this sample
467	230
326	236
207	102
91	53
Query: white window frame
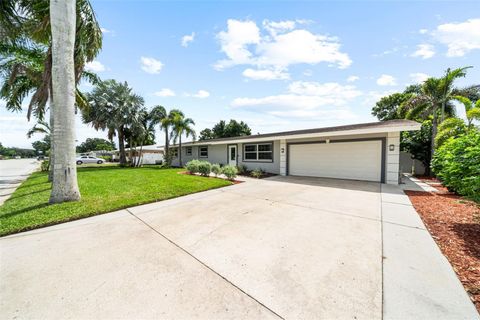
175	152
256	152
200	152
188	151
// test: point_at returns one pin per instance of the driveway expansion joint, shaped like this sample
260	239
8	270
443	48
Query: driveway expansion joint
205	265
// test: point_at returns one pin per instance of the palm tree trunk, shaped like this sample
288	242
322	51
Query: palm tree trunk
180	151
51	156
121	147
167	145
63	24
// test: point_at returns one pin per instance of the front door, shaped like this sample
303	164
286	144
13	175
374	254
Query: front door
232	155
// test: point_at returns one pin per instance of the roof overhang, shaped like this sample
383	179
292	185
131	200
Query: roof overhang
411	126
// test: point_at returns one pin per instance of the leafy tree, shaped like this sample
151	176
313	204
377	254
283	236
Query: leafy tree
206	134
472	108
42	146
226	130
93	144
418	143
115	108
181	126
387	107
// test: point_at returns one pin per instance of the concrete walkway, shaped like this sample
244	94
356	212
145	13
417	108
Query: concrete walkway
12	173
284	247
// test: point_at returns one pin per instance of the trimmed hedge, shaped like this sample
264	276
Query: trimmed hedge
457	164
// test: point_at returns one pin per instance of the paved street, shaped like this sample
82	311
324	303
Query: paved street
12	173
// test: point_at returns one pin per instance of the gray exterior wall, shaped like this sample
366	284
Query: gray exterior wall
219	154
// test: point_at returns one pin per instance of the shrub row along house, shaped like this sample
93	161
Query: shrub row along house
368	151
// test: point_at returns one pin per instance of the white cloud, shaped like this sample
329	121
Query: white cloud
282	45
425	51
266	74
105	30
186	39
201	94
305	100
151	65
308	73
353	78
423	31
95	66
460	38
418	77
386	80
165	92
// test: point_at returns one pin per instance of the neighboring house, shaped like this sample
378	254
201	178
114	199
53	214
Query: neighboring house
367	151
152	154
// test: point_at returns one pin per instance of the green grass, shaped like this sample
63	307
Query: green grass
103	189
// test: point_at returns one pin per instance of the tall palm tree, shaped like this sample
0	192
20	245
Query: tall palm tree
434	99
181	126
26	25
159	116
115	108
63	22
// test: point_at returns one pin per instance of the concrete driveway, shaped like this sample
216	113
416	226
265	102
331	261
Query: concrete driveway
283	247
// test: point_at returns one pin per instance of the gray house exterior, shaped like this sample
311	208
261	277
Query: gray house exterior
367	151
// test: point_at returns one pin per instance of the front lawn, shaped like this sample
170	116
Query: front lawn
103	189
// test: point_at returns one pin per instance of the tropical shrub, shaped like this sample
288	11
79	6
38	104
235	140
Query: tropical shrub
242	169
457	164
257	173
204	167
451	127
216	169
230	172
193	166
45	165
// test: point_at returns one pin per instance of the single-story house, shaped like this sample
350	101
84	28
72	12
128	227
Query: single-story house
151	154
366	151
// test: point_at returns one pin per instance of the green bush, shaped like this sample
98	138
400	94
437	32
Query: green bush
457	164
230	172
193	166
257	173
242	169
45	165
216	169
204	167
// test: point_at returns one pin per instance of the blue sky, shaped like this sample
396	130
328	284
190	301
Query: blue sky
276	65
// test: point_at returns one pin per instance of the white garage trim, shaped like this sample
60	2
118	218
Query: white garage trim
383	151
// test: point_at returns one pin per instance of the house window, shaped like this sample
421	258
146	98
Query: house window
203	152
188	151
175	152
258	152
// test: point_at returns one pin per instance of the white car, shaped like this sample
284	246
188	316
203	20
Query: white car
89	159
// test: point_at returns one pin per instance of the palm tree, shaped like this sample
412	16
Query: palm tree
62	20
472	110
434	99
181	126
159	116
113	107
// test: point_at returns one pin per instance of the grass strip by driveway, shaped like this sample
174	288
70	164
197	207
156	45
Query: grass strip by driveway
103	189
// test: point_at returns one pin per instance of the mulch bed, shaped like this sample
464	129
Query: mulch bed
454	224
188	173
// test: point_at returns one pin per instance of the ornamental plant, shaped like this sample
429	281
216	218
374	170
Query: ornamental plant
193	166
457	164
216	169
230	172
204	167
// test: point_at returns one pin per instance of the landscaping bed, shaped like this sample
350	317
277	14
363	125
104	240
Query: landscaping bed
103	189
454	224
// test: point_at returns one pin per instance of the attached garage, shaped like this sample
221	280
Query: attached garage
352	159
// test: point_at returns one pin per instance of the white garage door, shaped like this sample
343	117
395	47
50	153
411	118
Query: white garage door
360	160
